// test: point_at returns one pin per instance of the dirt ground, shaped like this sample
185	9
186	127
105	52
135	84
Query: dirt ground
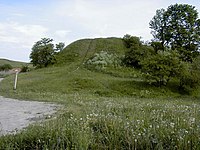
16	114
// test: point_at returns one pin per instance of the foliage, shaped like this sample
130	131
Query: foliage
25	68
179	28
137	51
102	60
5	67
189	78
157	46
42	53
60	47
158	25
132	41
161	67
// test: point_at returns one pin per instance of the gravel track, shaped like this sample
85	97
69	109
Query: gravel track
16	114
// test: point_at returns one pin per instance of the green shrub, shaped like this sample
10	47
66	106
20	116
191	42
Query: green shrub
5	67
25	68
189	78
102	60
137	51
160	68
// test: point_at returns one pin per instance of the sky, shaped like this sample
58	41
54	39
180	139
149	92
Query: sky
24	22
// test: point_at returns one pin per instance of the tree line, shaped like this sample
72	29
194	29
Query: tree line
173	53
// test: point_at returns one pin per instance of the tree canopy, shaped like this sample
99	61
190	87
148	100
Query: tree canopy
42	53
178	27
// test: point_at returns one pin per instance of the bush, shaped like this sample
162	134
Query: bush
5	67
189	78
25	68
137	51
160	68
102	60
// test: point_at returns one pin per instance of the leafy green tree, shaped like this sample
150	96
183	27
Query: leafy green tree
60	46
136	51
190	76
132	41
42	53
158	26
157	46
161	67
179	28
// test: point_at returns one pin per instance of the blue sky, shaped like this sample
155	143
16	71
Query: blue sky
23	22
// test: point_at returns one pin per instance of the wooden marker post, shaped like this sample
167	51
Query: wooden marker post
15	84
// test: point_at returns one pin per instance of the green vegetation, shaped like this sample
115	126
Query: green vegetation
108	105
6	65
103	60
42	53
81	50
14	64
178	28
110	108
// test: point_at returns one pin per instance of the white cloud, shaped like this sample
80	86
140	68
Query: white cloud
110	18
17	39
13	32
62	34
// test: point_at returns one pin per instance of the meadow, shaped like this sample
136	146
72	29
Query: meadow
113	109
107	108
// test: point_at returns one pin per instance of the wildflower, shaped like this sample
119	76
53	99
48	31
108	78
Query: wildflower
172	124
192	120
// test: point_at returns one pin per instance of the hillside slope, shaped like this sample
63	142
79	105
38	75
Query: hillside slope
12	63
85	48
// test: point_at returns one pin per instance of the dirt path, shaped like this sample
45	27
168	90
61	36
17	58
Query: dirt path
16	115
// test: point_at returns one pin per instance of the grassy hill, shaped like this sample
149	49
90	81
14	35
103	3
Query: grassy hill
85	48
113	108
12	63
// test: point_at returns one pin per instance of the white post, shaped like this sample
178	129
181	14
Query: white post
15	84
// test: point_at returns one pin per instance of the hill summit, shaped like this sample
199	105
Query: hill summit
83	49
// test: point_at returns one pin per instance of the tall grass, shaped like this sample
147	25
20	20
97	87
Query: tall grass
112	123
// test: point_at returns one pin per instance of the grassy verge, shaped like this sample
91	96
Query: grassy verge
109	110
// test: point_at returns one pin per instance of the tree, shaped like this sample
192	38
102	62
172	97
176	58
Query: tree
157	46
60	46
161	67
42	53
179	28
131	41
189	77
159	27
136	51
